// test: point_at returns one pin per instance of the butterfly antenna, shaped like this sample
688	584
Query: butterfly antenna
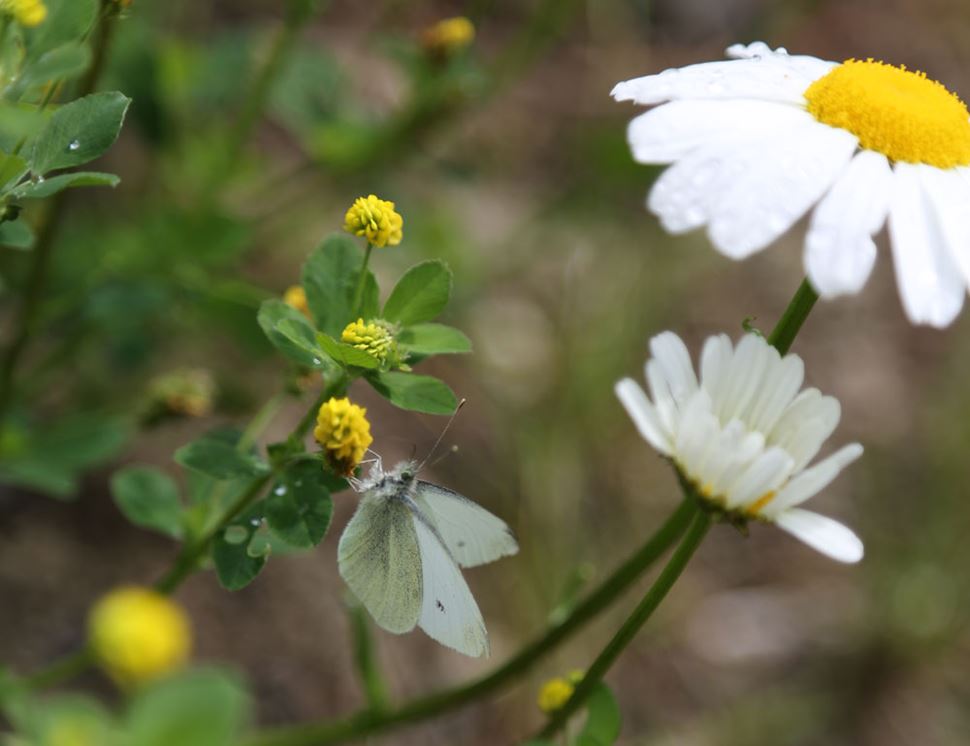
441	435
443	456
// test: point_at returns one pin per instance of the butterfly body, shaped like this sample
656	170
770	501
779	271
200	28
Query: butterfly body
401	552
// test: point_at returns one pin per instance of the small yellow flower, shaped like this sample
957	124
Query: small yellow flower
295	297
138	634
375	220
554	694
344	432
27	12
448	36
376	338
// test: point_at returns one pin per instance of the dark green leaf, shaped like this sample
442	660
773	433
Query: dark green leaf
330	279
417	393
236	567
299	334
345	354
12	168
16	234
67	21
149	498
63	63
298	509
433	339
219	460
45	188
79	132
81	441
420	295
199	708
602	726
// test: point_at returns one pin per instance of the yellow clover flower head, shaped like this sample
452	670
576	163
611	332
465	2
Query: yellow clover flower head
554	694
26	12
138	635
376	220
344	432
448	36
376	338
295	297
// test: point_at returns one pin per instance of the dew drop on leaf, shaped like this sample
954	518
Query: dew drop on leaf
73	145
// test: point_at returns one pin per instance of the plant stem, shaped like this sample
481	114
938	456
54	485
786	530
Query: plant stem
261	420
364	658
624	636
33	297
791	320
368	722
359	291
61	669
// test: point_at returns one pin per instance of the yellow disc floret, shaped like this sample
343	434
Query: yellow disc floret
376	338
554	694
26	12
449	36
894	111
376	220
344	432
295	297
138	634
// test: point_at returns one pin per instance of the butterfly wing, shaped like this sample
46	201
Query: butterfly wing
449	613
380	560
472	534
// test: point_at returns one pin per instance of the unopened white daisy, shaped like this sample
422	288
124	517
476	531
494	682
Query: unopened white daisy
758	140
744	435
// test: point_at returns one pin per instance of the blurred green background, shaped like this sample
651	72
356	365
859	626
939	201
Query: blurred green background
509	162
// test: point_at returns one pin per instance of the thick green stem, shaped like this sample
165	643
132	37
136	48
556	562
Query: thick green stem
624	636
367	665
369	722
791	320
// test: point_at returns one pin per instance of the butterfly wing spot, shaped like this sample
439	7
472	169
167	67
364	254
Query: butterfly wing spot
441	606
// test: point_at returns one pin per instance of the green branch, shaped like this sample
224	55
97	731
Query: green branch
791	320
369	722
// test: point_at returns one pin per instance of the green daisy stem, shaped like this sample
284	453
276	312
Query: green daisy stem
629	629
369	721
359	291
791	320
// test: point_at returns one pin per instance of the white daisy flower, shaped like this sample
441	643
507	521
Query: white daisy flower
758	140
744	435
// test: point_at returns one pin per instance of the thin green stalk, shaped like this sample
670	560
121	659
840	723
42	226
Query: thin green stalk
624	636
62	669
791	320
261	420
364	658
369	722
359	291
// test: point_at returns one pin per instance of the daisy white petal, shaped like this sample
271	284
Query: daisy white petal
929	280
948	195
744	438
839	250
822	534
644	416
779	187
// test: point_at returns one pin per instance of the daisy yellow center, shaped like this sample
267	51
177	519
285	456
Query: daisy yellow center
894	111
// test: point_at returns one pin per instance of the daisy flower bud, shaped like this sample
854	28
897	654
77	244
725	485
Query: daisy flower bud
344	432
758	141
743	435
376	220
448	36
27	12
295	297
376	338
138	634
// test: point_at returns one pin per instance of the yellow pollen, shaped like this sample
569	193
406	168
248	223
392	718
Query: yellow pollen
894	111
754	508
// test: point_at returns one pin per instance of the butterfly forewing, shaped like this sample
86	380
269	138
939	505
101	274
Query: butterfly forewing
472	534
449	613
379	558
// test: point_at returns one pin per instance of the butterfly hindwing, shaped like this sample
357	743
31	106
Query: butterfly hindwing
449	613
472	534
380	559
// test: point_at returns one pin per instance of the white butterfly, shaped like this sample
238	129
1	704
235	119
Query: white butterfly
400	555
